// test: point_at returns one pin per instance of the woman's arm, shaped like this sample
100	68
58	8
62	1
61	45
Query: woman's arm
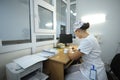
74	54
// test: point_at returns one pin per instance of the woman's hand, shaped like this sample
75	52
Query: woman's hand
70	53
73	54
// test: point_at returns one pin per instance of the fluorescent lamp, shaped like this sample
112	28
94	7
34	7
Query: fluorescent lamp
94	18
73	13
48	24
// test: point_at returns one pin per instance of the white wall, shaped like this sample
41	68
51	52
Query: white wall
110	29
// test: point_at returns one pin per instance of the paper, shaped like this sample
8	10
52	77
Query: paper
45	54
51	50
29	60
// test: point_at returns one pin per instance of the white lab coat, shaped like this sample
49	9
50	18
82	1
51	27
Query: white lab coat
90	47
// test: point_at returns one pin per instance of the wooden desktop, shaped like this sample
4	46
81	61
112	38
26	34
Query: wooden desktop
56	65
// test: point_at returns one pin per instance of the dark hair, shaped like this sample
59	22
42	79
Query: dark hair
85	26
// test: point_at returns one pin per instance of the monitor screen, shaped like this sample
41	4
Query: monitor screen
65	38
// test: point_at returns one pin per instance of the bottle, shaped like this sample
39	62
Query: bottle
93	73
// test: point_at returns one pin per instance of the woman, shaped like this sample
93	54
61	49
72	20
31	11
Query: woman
90	51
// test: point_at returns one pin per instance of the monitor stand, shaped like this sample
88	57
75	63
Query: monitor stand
65	44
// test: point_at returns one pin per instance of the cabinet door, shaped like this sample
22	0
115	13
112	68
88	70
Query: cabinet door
54	69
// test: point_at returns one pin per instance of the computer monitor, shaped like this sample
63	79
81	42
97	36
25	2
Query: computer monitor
65	38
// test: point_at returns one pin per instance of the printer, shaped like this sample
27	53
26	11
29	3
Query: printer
15	72
24	66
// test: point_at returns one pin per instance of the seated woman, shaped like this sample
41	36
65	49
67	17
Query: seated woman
89	50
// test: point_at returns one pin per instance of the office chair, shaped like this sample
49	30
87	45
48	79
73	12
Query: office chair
114	72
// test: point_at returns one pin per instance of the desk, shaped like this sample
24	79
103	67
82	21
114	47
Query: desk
55	66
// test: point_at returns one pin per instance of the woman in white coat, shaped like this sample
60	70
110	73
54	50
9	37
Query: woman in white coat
89	50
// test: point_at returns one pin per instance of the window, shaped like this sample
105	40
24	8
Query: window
14	22
25	22
61	7
49	1
40	38
45	20
72	17
44	17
